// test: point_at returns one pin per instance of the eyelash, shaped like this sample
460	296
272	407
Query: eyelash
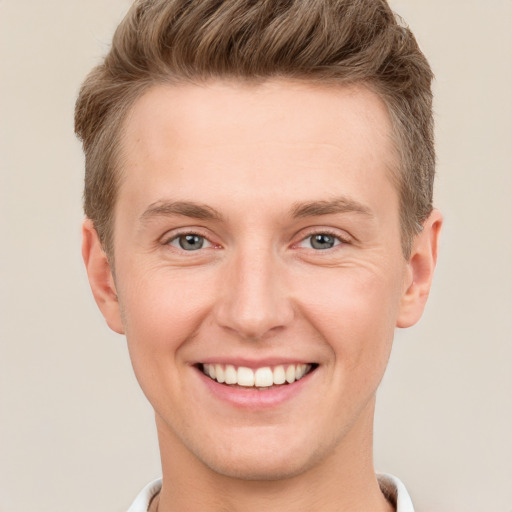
177	236
342	240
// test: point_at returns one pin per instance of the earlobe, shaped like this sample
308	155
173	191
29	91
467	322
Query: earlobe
100	277
420	271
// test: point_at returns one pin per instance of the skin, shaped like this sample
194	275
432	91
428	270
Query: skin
258	289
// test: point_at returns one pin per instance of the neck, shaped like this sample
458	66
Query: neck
343	481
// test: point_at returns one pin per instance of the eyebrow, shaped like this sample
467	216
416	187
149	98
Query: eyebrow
337	205
184	208
300	210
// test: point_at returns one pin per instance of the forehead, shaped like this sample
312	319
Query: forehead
248	136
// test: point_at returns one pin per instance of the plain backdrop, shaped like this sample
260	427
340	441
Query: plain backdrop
76	433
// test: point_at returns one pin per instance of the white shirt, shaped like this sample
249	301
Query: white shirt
391	487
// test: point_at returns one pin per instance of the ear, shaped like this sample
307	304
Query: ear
100	277
420	271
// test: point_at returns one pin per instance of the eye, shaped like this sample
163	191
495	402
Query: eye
320	241
189	242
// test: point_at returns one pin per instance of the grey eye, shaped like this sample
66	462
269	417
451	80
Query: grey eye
189	242
322	241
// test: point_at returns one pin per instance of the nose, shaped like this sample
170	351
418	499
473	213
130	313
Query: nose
254	300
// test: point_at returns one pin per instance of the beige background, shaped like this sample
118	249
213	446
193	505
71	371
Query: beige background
75	431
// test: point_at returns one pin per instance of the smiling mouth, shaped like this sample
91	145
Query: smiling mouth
263	378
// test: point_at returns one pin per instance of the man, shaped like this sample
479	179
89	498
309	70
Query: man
258	196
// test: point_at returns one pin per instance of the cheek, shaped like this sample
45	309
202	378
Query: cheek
355	311
161	314
162	309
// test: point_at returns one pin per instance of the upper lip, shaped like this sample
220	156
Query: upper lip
254	363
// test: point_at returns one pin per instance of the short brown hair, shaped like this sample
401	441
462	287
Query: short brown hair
319	41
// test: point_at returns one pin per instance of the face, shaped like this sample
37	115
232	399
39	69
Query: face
257	240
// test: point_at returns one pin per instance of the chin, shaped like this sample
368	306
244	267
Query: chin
265	462
256	469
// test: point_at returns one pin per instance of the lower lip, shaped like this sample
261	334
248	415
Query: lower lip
252	398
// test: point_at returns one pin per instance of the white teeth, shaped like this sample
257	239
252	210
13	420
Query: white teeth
264	377
230	376
290	374
219	372
279	375
245	376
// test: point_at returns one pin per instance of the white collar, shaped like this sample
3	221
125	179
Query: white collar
395	491
391	486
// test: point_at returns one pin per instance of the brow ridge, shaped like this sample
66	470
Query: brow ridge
325	207
183	208
299	210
